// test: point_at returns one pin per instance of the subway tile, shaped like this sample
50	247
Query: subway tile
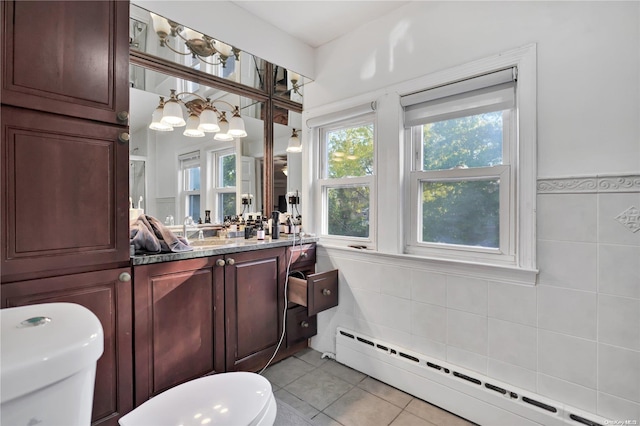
427	287
512	374
567	392
467	294
619	270
467	331
619	372
619	321
513	343
395	281
512	302
567	217
567	264
618	409
567	311
566	357
610	230
429	321
466	359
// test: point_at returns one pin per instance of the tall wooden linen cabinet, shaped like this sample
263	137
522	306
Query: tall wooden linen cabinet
64	215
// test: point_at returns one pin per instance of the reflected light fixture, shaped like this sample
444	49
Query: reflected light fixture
294	142
199	45
285	171
203	117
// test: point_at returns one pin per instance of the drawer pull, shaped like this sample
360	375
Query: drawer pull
326	292
304	324
231	262
123	137
123	116
220	262
303	254
124	277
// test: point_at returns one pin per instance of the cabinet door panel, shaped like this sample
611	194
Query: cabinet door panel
110	300
178	322
67	57
64	194
254	297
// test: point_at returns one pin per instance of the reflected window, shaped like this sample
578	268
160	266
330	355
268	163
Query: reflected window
190	175
224	188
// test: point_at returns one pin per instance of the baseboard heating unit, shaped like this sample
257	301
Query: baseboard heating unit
468	394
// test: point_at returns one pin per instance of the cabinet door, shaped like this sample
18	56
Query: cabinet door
64	195
254	301
67	57
179	314
109	299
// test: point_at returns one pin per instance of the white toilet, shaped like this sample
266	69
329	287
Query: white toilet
47	374
231	399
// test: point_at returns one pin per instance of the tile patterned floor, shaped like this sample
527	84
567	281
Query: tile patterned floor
328	393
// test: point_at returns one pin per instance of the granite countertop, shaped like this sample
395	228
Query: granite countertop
217	246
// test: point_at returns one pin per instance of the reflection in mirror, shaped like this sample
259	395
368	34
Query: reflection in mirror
287	164
288	84
191	170
154	34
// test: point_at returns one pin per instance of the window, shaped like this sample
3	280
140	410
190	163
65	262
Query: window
190	177
224	184
346	180
462	193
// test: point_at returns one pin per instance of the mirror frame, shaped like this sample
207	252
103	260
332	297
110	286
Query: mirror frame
268	96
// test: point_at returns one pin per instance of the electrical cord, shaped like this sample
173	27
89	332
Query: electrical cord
286	302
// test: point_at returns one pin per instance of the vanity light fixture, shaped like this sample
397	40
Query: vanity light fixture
294	142
203	117
199	45
285	171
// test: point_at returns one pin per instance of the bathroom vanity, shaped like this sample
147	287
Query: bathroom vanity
221	308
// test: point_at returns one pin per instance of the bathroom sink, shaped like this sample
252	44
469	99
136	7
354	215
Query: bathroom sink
209	243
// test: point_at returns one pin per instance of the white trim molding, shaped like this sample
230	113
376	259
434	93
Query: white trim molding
590	184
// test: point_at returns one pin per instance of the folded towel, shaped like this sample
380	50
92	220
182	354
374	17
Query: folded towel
149	236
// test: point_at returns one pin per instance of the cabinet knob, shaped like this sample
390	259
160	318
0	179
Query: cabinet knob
123	116
231	262
123	137
304	324
220	262
303	254
124	277
326	292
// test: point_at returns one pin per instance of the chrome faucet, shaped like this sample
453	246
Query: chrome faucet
186	224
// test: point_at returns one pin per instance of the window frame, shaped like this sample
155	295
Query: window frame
189	161
215	189
325	183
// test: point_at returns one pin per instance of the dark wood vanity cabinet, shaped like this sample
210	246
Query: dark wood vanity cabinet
108	295
178	322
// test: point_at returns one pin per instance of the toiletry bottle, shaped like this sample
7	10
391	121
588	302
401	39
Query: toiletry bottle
275	226
260	232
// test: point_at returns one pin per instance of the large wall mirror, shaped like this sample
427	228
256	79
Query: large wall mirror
201	168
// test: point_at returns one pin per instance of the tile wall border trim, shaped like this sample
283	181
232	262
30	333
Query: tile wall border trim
589	184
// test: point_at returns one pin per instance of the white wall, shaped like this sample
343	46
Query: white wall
575	336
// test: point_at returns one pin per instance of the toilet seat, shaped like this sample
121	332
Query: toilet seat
232	399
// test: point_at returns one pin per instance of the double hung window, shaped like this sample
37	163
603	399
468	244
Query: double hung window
224	184
190	176
463	156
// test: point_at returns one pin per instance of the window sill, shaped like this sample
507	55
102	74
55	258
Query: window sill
470	269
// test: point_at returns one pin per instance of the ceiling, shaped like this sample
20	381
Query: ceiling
318	22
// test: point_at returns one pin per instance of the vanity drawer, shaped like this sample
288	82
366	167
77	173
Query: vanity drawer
318	292
302	254
300	325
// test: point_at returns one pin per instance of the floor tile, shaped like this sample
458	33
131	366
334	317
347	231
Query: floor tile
303	407
311	356
386	392
324	420
318	388
408	419
287	416
342	371
434	414
360	408
286	371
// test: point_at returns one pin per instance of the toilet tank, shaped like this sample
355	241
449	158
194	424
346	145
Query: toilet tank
48	355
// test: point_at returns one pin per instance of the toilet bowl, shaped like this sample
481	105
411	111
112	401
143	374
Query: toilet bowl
232	399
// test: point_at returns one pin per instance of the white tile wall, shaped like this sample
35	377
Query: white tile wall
428	347
396	282
429	321
467	294
566	357
467	331
572	394
511	302
609	229
568	264
513	343
428	287
619	321
572	217
466	359
512	374
384	310
619	372
617	409
619	270
567	311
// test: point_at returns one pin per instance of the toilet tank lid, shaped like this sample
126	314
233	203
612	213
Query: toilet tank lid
41	344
